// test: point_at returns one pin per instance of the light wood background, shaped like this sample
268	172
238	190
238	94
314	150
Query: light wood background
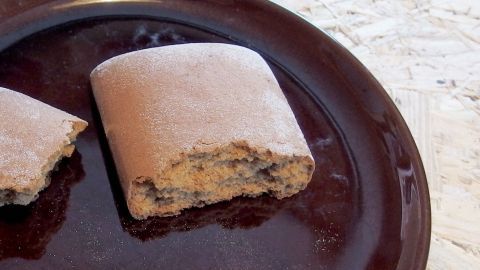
426	53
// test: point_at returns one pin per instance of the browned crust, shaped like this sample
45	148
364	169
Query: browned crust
162	103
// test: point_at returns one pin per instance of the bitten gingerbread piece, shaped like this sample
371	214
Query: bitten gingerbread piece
33	138
190	125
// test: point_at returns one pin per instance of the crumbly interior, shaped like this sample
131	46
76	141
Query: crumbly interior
26	196
204	178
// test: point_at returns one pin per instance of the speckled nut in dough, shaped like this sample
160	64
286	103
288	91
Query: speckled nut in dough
190	125
33	137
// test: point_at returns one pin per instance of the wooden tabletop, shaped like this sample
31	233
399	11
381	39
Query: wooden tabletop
427	56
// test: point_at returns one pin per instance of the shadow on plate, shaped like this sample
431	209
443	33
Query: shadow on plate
326	213
327	217
26	230
243	213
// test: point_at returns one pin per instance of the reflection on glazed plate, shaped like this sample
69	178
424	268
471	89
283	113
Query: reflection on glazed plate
366	207
26	230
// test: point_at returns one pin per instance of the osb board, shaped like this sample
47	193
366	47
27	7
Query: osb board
426	53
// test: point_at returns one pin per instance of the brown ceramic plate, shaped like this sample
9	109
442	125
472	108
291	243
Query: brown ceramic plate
367	206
